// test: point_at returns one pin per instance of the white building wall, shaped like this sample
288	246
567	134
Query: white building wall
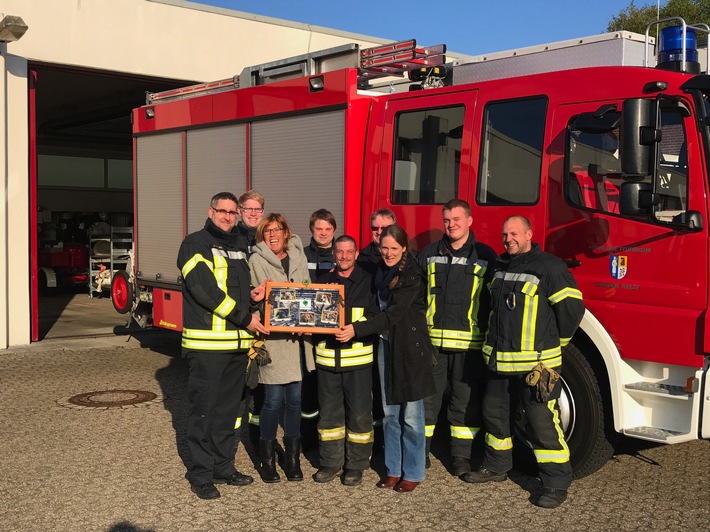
164	38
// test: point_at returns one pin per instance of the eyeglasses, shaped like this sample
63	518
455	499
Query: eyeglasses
376	229
251	210
274	231
225	213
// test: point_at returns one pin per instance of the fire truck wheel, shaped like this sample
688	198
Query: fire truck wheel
582	415
121	292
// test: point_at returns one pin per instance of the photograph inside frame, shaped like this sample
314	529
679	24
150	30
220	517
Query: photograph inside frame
299	308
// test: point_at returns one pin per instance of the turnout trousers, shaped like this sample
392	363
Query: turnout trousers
541	427
345	427
214	389
464	372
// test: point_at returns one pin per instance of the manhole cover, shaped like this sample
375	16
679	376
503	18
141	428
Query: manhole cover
110	399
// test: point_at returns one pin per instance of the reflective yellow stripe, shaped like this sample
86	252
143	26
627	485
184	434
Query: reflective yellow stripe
475	289
206	345
225	307
565	293
238	423
350	362
527	335
429	430
560	456
337	433
253	419
431	298
358	354
361	437
463	433
497	444
453	339
194	261
220	274
219	335
517	361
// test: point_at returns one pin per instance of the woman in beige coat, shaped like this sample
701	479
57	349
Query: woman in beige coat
278	256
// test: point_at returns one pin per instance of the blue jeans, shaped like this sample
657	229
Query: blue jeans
403	425
274	396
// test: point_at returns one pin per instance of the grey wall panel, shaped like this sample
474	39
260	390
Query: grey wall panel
297	163
159	205
216	162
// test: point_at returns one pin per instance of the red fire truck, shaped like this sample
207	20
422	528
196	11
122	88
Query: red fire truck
607	157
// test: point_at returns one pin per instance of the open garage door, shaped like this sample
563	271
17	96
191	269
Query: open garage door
81	199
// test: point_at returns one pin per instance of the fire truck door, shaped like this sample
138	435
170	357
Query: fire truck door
425	159
644	281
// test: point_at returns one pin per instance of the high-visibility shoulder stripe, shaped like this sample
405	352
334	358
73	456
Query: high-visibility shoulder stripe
565	293
194	261
230	254
517	277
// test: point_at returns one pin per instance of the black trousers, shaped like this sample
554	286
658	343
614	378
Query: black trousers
464	372
345	426
542	429
214	389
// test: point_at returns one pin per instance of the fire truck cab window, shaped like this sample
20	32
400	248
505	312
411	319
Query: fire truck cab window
427	155
594	171
511	152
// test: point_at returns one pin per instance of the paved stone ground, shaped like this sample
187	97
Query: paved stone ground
63	467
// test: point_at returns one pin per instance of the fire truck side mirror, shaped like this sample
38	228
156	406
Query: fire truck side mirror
638	135
635	199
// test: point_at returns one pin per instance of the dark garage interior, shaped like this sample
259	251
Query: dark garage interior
84	193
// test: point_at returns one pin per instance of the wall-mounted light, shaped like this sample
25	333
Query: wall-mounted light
316	83
12	28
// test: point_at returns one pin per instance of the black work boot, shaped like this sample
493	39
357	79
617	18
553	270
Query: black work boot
292	459
460	466
483	475
268	461
550	498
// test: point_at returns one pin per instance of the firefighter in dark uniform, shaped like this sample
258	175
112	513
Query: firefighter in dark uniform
320	251
458	271
536	308
345	377
217	325
320	260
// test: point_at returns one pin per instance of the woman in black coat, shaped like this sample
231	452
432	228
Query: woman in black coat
405	356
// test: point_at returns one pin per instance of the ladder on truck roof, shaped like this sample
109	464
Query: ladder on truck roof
387	60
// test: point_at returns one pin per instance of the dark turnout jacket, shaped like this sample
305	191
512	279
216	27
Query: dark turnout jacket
216	286
409	376
537	307
457	292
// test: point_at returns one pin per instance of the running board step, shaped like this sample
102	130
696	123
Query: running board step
670	391
656	434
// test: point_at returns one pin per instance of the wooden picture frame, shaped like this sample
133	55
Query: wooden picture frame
312	308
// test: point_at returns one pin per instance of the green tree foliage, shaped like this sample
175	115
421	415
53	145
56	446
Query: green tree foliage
637	18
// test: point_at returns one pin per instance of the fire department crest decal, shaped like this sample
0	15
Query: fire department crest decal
618	266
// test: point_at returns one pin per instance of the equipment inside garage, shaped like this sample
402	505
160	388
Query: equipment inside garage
84	188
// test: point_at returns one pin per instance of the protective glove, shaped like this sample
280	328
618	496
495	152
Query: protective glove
258	353
543	379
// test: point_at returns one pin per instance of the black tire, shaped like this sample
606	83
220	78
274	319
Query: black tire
121	292
583	418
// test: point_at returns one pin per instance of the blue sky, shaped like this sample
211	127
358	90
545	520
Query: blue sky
466	26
